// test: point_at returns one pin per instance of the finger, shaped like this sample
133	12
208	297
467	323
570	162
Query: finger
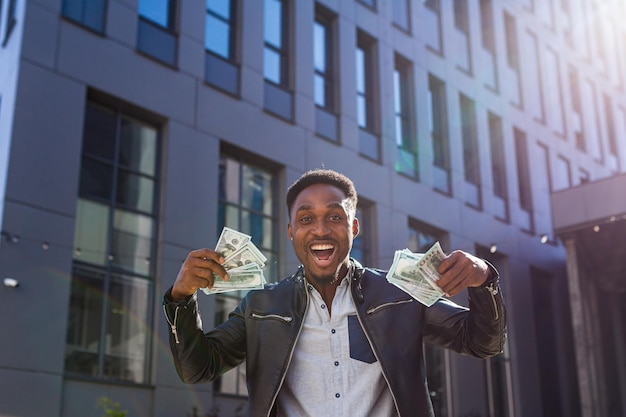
455	287
205	268
206	253
449	269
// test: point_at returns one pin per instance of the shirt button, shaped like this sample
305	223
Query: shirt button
337	395
333	331
336	363
323	306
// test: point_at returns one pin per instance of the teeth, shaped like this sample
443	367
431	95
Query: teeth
322	246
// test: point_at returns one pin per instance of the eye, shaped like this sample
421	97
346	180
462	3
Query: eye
335	217
305	219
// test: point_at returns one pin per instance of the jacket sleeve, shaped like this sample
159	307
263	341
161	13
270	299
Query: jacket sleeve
201	357
479	331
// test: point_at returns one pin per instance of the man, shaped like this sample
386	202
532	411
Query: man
335	338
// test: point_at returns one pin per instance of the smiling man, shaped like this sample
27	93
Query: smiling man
335	338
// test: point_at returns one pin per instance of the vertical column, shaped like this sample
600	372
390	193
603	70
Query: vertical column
585	384
620	344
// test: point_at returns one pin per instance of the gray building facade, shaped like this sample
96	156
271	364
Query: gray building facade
132	131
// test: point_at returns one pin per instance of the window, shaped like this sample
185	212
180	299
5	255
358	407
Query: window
89	13
535	97
433	30
323	57
325	67
361	246
401	14
512	57
471	161
156	35
488	39
275	52
420	238
438	119
11	20
512	52
498	167
545	178
277	99
220	37
562	174
576	107
404	117
553	95
366	96
462	36
114	245
366	116
610	124
523	175
487	26
592	120
247	202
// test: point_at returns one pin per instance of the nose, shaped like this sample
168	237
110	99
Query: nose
320	228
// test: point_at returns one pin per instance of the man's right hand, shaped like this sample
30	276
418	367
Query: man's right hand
197	272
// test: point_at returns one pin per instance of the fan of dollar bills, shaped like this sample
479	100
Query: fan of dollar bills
244	263
416	273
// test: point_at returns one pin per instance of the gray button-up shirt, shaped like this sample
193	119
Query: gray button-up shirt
333	371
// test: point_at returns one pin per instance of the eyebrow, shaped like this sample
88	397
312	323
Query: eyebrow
330	206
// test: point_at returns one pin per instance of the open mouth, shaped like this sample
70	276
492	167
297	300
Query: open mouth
323	251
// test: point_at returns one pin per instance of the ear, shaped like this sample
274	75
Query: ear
355	228
289	232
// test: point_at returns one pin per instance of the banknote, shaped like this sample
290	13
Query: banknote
230	240
430	261
406	274
244	256
243	261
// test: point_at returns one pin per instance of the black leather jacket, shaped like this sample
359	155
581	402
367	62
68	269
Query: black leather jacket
264	328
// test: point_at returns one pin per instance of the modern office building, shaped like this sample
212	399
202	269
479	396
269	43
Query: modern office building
132	131
591	222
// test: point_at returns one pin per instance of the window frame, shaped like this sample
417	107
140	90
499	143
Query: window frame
112	273
151	34
82	21
244	158
471	151
523	170
328	21
284	51
232	24
405	117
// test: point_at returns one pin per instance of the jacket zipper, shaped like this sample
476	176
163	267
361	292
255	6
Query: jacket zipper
493	291
272	316
375	309
395	402
173	325
293	348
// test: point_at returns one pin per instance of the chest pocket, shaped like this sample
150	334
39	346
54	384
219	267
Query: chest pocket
360	348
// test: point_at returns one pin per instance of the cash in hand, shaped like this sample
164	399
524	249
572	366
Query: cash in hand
416	273
243	261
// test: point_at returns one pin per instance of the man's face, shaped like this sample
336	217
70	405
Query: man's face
322	230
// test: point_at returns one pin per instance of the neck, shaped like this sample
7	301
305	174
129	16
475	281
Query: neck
327	289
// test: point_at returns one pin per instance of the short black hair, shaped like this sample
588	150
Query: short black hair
322	176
